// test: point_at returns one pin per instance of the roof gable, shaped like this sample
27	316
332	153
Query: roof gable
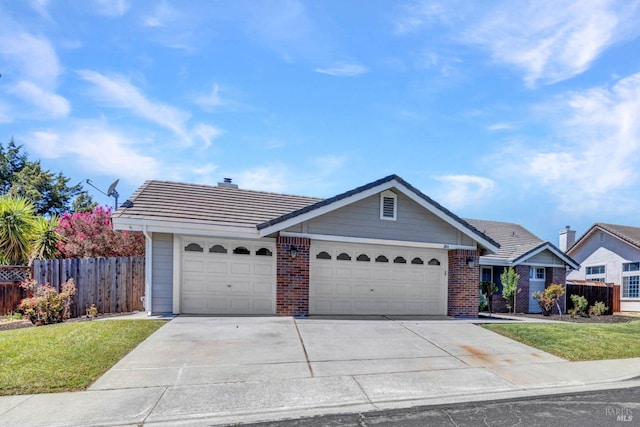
627	234
517	244
392	181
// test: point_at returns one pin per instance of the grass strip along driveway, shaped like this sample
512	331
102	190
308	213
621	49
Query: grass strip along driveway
67	356
577	341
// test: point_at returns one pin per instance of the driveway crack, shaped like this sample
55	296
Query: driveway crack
304	349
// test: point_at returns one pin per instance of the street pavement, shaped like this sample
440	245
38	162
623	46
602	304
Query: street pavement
228	370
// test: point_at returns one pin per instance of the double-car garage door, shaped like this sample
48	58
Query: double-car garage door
376	279
239	277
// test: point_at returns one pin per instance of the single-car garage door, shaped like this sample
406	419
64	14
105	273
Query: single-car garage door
227	276
375	279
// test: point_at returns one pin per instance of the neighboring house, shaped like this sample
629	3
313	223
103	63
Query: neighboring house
611	254
383	248
538	263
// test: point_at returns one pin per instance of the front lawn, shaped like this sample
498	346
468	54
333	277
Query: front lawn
576	341
67	356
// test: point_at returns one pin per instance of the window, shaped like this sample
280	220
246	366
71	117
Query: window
193	247
486	274
536	273
264	252
631	266
217	249
241	250
399	260
382	258
434	261
363	257
388	205
598	269
417	261
631	287
344	257
323	255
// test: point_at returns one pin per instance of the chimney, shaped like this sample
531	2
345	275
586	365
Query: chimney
567	238
228	183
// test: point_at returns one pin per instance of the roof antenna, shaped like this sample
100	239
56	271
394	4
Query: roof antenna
111	192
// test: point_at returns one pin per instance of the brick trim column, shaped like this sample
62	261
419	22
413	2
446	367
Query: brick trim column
522	290
292	281
464	282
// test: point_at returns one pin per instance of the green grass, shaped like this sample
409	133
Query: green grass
66	356
577	341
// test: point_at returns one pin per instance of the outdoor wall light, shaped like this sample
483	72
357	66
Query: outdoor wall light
471	262
293	251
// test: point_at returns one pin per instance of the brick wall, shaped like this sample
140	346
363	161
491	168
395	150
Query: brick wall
463	284
292	281
522	291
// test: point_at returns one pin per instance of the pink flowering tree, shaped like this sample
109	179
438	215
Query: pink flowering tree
91	235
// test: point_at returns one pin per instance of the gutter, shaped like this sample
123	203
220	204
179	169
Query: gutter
148	272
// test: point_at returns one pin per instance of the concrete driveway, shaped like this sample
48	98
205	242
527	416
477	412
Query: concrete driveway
207	371
223	350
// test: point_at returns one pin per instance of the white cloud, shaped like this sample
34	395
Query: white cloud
40	6
496	127
55	105
117	91
32	71
210	100
464	190
592	164
329	164
110	152
343	70
272	178
112	8
162	15
548	40
206	133
551	41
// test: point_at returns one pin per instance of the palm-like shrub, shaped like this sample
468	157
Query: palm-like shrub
17	228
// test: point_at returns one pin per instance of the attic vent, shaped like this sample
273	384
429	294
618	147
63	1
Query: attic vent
388	205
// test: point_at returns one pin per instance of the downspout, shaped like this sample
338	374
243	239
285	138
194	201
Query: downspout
148	271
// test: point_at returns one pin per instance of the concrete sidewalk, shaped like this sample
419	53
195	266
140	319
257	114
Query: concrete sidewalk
208	371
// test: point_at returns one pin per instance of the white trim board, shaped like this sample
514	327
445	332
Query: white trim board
368	241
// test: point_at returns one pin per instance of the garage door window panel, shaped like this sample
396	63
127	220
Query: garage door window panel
264	252
399	260
217	249
193	247
382	258
363	258
417	261
343	257
323	255
241	250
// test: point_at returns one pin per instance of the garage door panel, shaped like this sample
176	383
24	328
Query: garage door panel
263	270
241	268
216	267
344	287
228	283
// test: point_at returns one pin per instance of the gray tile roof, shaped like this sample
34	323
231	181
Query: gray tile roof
223	206
208	205
515	240
626	233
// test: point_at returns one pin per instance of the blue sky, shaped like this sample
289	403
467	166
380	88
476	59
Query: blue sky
522	111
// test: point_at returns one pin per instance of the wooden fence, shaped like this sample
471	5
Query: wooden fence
114	285
608	294
10	291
